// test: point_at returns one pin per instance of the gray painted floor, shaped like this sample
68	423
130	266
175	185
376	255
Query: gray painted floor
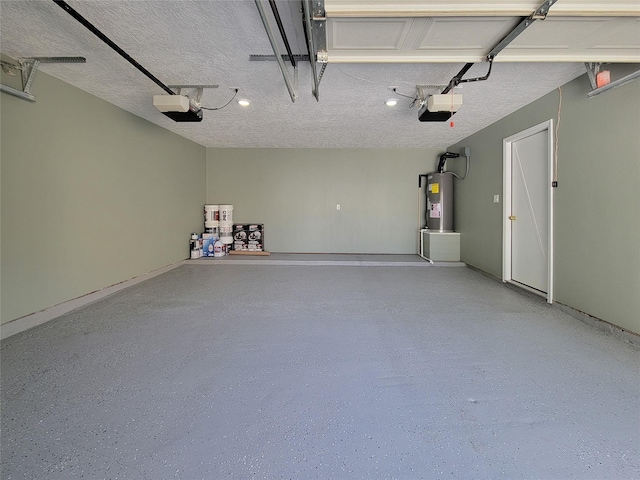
348	259
269	371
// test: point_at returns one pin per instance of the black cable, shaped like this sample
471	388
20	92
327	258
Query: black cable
401	95
457	80
67	8
480	79
220	108
412	104
443	159
276	15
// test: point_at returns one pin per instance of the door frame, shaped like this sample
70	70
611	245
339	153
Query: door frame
506	197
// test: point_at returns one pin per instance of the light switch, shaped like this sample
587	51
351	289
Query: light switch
338	207
496	199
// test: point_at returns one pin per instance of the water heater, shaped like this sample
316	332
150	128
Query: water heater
440	202
439	213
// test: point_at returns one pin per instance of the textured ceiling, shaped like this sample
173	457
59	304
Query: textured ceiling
209	42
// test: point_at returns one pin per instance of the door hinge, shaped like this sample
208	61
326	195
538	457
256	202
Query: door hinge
512	217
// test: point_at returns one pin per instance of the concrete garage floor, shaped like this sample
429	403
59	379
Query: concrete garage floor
335	371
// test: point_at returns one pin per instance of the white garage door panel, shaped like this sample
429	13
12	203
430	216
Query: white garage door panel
577	39
470	33
420	31
369	33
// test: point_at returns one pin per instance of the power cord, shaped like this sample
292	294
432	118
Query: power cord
414	98
220	108
554	182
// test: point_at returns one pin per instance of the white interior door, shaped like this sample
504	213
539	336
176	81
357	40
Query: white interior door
528	213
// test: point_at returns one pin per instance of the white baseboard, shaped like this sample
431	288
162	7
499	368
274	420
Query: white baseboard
38	318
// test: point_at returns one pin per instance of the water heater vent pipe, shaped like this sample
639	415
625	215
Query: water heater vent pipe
443	159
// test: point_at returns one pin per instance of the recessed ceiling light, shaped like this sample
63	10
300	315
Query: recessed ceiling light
392	102
243	103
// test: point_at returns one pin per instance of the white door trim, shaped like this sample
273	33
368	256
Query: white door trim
506	196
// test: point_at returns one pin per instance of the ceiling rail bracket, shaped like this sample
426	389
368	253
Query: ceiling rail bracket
28	68
268	58
592	72
197	100
193	86
319	30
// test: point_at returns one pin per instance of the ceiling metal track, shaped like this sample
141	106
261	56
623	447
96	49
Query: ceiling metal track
291	84
315	25
539	14
193	86
92	28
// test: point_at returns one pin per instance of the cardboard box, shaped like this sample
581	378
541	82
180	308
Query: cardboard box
248	236
248	227
243	246
239	246
240	235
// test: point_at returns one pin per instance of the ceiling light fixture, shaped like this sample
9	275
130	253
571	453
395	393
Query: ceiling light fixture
243	103
392	102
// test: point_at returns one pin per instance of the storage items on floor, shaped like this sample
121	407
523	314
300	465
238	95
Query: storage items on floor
221	235
248	237
226	224
207	245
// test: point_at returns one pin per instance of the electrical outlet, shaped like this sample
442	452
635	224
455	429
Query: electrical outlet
496	199
338	207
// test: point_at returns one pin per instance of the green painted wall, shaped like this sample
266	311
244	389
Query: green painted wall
91	196
294	192
597	203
